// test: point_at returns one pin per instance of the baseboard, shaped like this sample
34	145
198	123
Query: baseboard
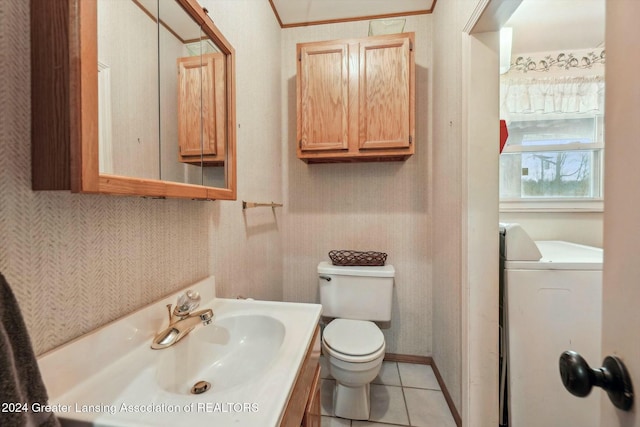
428	360
447	396
406	358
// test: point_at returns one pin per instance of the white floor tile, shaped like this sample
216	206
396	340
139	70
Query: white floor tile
425	404
418	376
335	422
388	374
387	405
428	408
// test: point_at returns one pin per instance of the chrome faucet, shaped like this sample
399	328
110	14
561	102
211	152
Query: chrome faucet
182	320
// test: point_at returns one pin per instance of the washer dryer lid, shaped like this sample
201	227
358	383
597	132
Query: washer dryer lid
353	337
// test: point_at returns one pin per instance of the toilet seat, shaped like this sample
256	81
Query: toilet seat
355	341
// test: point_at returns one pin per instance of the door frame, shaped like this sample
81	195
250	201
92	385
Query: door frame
480	250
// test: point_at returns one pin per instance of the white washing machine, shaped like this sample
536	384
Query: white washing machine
553	301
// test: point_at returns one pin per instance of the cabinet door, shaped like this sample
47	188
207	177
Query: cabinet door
313	413
201	106
386	93
213	105
190	106
323	97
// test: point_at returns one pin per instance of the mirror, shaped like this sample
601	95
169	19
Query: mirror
165	96
214	135
128	90
181	95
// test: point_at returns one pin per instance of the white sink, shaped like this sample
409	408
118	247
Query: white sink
234	350
249	356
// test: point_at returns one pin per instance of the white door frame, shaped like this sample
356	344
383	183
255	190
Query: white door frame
480	246
480	230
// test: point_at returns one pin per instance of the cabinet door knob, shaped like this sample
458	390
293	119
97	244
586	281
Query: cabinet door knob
578	378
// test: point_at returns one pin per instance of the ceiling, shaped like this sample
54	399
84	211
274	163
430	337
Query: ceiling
538	25
551	25
294	13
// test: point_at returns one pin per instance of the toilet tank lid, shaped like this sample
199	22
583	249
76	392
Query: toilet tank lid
370	271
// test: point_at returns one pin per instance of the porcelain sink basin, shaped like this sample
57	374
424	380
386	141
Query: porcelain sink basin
223	354
249	355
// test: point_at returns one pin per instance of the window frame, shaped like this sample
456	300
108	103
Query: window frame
559	204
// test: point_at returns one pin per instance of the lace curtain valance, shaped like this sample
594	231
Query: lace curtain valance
551	95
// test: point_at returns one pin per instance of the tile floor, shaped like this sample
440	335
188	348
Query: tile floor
403	394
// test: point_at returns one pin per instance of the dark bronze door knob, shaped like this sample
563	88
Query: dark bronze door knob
578	378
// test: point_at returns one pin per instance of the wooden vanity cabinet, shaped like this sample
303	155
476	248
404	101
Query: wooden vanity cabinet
303	407
313	414
201	109
356	99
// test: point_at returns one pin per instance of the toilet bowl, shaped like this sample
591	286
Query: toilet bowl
355	350
354	297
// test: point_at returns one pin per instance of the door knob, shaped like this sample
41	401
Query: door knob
578	378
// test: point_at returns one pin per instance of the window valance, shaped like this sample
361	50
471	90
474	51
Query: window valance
551	95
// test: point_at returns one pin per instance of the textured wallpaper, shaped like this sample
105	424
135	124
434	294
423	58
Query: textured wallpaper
79	261
74	261
246	246
369	206
447	197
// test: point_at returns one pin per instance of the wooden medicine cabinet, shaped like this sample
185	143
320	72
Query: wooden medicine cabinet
356	99
110	111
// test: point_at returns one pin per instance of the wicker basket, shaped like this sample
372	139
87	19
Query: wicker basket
346	257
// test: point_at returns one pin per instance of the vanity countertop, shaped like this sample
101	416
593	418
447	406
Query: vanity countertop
250	355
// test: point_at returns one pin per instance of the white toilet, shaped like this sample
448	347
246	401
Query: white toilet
353	345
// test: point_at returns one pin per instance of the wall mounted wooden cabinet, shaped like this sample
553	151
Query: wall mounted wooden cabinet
107	110
356	99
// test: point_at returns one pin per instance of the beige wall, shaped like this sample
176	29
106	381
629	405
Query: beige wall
449	177
76	262
246	246
583	228
370	206
446	234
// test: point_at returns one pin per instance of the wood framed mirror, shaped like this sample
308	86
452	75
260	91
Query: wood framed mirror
140	149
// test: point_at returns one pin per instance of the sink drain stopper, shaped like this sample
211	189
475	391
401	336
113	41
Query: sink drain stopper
200	387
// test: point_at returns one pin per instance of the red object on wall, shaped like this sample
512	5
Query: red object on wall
504	134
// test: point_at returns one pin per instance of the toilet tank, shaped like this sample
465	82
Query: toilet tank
361	293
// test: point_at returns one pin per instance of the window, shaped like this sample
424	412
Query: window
553	158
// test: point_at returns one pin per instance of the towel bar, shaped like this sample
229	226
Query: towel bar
247	205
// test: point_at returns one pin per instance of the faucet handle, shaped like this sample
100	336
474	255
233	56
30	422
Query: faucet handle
187	302
207	317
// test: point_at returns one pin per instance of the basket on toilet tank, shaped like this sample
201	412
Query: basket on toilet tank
348	257
361	293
